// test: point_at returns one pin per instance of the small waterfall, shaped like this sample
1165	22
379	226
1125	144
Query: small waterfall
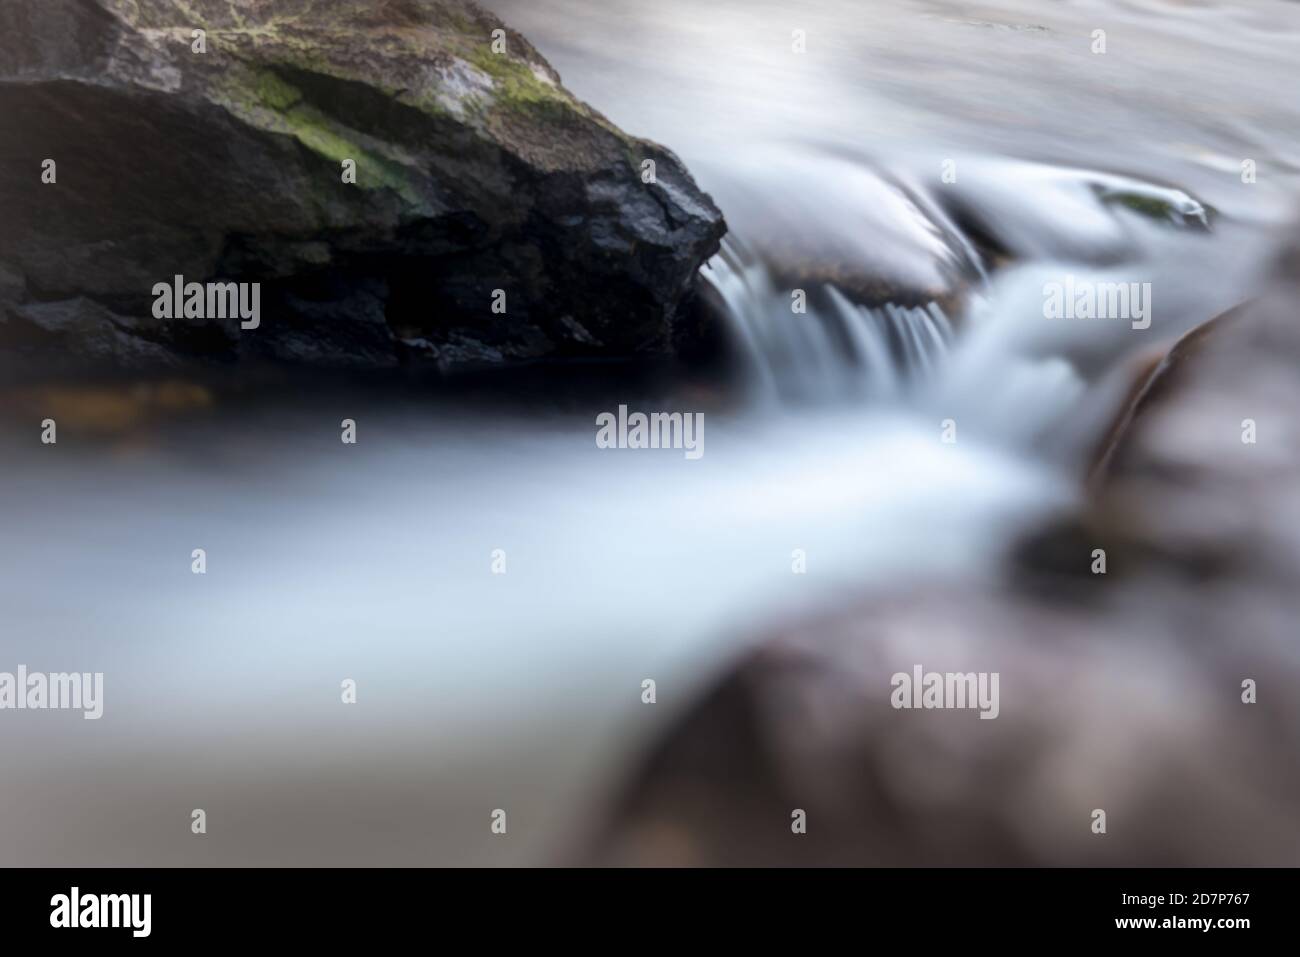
1013	376
837	348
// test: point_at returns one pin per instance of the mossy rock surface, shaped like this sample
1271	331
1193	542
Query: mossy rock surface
475	170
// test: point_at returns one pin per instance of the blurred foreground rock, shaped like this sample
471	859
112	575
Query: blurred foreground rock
1120	692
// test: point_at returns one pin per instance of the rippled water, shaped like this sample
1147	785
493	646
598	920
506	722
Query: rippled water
522	690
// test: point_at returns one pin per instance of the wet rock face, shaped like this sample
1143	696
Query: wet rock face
475	171
1124	691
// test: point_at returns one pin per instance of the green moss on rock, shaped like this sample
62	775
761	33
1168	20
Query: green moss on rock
517	87
266	100
274	93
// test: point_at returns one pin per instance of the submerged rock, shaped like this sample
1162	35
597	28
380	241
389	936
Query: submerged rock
212	140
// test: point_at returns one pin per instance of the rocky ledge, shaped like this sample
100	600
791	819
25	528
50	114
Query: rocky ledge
407	181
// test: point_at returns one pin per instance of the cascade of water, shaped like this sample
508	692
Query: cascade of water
836	348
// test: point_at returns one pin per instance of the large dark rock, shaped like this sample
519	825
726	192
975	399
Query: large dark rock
475	171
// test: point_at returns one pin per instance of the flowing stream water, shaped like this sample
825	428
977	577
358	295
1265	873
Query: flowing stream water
522	690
